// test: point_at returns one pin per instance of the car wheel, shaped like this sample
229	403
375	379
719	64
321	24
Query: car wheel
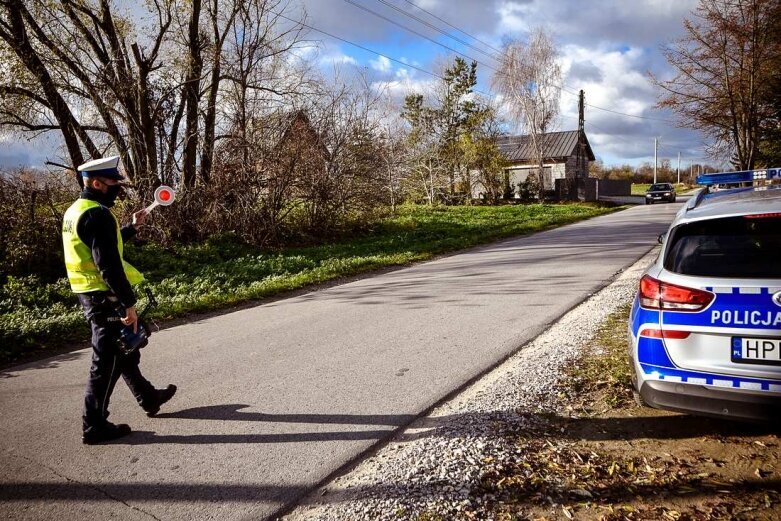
639	401
648	202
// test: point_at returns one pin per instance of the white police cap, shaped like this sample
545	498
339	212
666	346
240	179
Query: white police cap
104	167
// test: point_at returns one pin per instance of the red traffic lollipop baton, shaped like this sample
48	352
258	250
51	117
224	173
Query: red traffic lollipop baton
164	196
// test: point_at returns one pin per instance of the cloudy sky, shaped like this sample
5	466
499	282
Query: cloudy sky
607	49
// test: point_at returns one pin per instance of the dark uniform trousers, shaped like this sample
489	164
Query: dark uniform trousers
108	363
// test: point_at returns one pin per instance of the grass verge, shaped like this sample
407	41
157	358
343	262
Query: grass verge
36	317
603	378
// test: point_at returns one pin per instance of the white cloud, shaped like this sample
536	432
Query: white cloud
620	84
381	64
512	18
337	59
405	83
616	79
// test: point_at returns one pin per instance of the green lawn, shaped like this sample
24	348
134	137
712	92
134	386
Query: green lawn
223	272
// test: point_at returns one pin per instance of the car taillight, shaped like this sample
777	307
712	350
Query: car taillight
664	333
655	294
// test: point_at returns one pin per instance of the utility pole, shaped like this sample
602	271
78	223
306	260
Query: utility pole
679	168
576	187
655	148
582	162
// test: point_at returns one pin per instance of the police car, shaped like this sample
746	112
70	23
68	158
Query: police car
705	326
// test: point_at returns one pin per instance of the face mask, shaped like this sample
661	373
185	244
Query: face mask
112	193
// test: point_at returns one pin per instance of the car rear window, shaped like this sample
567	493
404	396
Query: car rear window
737	247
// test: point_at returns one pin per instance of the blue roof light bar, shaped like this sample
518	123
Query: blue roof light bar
744	176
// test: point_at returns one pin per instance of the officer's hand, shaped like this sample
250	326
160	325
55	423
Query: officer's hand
139	217
131	318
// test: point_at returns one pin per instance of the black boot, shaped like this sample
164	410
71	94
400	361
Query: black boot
105	432
159	398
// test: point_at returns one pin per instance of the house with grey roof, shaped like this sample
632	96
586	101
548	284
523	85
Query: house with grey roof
560	161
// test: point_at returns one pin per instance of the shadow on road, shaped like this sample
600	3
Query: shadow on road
169	492
674	427
233	412
501	424
592	429
185	492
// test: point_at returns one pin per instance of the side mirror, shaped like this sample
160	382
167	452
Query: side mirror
661	237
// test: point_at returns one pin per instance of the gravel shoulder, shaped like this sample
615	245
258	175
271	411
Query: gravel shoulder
544	437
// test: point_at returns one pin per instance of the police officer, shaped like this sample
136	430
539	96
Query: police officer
103	280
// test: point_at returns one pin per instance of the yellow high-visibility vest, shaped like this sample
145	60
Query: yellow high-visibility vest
83	274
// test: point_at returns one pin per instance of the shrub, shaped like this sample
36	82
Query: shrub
529	189
31	207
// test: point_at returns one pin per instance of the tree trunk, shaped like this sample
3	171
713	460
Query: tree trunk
192	95
168	170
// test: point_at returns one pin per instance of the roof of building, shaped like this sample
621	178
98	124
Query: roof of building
556	145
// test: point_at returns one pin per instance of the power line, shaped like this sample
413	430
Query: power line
565	89
453	26
630	115
673	152
562	86
619	136
395	60
434	27
413	31
302	24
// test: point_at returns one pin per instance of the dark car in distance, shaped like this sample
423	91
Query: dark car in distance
660	192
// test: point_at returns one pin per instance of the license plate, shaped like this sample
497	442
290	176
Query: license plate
756	350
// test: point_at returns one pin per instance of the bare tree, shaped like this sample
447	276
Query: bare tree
39	92
426	164
80	58
260	73
724	63
192	93
394	156
530	86
482	157
343	117
158	87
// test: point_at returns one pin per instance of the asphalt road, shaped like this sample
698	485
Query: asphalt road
273	399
